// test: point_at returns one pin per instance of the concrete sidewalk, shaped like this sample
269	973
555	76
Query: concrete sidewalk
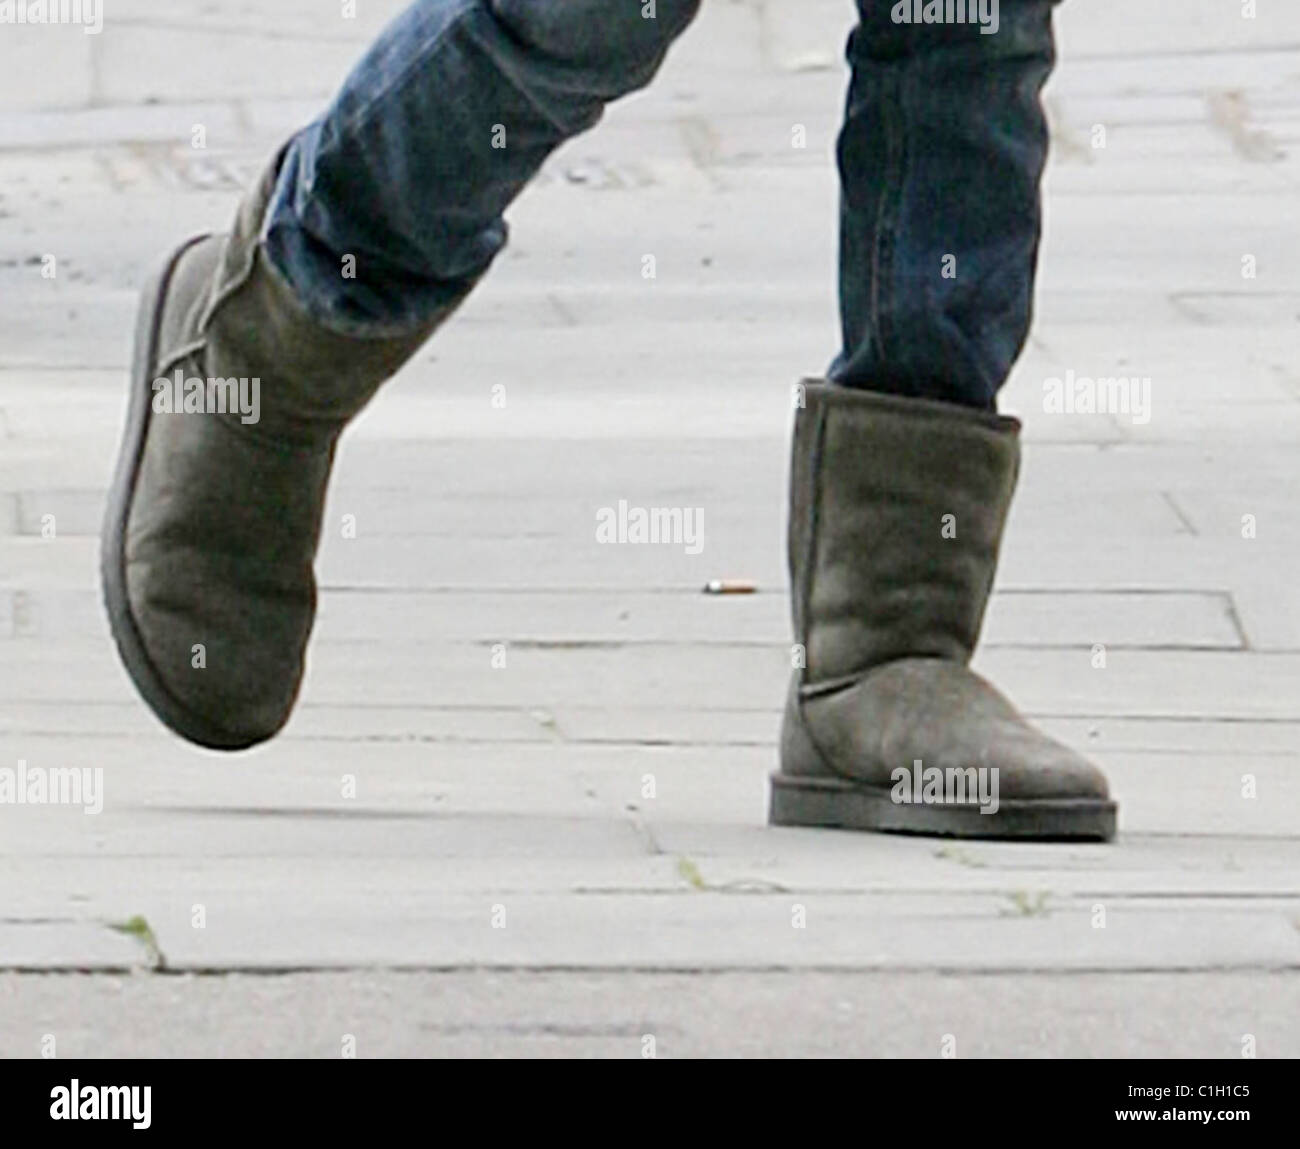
522	807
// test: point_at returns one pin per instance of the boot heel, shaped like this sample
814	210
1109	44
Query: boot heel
804	791
799	756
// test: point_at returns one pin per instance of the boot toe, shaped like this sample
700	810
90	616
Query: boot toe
216	664
946	716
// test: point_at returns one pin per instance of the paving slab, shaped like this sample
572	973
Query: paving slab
698	1014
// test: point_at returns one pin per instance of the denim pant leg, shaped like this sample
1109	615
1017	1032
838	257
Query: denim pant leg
941	154
446	118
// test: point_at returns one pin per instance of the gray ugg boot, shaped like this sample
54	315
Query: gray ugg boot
896	514
214	513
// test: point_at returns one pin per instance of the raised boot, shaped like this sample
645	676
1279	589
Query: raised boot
214	516
897	508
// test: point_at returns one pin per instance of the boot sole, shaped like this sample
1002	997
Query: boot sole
836	803
126	634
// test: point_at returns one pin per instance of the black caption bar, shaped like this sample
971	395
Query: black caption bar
338	1098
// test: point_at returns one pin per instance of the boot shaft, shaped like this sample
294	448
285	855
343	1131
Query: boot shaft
897	508
248	323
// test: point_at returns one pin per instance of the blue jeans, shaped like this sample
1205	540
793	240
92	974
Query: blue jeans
452	111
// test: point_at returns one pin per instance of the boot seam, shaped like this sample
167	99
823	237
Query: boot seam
809	542
185	351
835	685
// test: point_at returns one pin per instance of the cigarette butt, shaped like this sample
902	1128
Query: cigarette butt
730	586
